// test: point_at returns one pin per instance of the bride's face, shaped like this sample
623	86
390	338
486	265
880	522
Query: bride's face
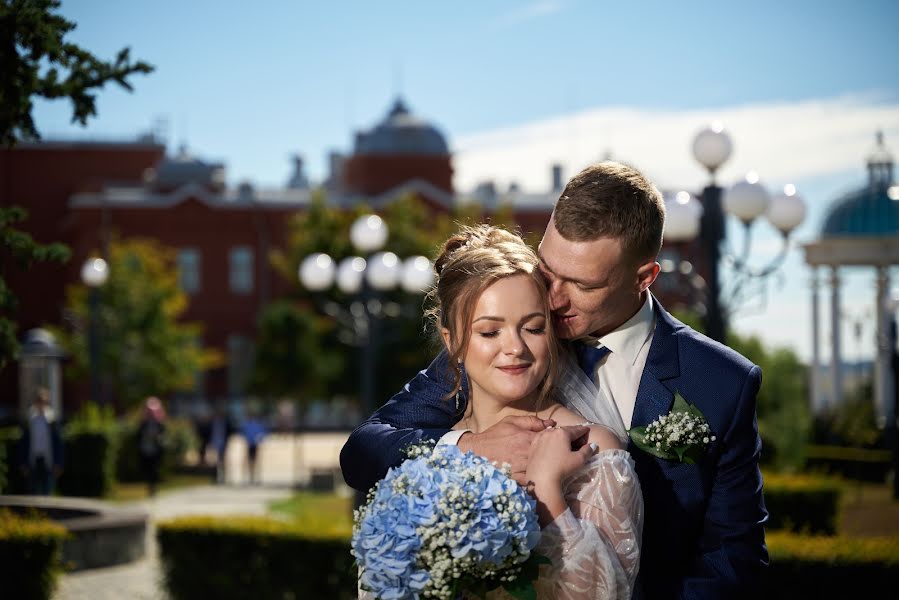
508	353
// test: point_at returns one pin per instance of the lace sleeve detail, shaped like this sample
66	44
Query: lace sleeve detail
594	546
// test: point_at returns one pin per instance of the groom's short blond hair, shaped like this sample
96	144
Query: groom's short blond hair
612	200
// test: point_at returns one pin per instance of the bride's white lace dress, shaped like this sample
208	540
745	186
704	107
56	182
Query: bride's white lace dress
594	546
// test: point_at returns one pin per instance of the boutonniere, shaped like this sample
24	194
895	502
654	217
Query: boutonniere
683	434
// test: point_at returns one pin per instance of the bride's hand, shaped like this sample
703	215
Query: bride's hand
556	452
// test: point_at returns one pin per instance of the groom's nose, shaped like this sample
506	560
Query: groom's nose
557	297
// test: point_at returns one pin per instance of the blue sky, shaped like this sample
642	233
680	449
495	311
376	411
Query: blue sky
802	86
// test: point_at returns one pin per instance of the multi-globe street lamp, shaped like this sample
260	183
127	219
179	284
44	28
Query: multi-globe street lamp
94	273
365	280
747	200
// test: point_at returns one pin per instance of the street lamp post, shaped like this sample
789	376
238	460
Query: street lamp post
747	200
365	280
94	273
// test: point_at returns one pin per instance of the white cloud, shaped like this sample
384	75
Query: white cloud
530	11
783	142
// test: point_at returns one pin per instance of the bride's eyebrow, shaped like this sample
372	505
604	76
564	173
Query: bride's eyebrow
488	318
502	319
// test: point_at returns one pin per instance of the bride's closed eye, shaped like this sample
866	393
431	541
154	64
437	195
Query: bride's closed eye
488	334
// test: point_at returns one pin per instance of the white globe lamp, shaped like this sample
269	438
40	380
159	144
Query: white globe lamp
787	210
94	272
317	272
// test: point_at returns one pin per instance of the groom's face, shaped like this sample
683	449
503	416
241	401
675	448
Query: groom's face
593	287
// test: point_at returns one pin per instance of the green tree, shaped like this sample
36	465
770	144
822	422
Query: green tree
413	229
145	349
290	359
18	250
37	61
785	421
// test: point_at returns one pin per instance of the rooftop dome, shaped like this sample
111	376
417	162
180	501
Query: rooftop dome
872	211
173	172
401	132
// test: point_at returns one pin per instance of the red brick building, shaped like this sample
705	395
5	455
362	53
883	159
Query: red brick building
80	193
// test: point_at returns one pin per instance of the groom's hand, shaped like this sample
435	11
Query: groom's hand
509	441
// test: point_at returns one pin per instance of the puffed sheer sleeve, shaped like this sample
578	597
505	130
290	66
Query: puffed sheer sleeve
594	546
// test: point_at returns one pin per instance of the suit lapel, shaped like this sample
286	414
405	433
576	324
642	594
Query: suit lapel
655	395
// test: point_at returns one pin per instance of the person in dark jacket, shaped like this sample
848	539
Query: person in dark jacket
150	442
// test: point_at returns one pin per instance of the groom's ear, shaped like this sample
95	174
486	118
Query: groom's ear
646	275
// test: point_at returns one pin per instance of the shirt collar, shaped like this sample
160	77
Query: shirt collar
627	340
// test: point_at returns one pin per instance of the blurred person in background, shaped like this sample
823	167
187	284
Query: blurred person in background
221	427
40	447
254	432
150	442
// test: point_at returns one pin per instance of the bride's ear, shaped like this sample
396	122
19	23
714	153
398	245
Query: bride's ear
447	339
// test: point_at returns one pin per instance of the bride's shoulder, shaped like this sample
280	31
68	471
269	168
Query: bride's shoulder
600	435
562	415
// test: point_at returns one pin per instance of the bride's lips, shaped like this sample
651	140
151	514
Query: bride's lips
515	369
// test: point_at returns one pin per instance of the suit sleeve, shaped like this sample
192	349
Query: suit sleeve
732	547
420	411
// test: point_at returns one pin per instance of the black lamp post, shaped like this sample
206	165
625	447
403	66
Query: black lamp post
94	273
747	200
364	280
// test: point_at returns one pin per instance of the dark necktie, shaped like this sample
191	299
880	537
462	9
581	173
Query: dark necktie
588	356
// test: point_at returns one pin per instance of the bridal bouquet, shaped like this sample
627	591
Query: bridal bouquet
443	523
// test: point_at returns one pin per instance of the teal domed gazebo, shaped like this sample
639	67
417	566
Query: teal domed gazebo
860	229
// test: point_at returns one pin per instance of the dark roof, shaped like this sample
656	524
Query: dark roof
401	132
871	211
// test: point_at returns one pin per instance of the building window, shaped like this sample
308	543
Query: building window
240	361
240	269
189	270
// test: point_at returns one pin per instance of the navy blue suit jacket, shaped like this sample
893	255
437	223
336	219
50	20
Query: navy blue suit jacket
703	535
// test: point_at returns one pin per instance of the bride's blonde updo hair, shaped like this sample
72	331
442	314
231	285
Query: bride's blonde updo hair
469	262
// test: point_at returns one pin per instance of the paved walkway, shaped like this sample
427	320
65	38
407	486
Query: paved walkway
282	461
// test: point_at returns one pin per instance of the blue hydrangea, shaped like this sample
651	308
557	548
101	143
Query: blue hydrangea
439	517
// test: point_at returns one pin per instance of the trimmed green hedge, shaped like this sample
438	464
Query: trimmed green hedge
11	480
89	463
861	464
802	503
830	567
30	549
253	557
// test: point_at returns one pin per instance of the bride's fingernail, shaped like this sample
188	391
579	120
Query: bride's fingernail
594	447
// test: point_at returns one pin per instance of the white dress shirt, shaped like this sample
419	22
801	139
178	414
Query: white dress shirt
619	373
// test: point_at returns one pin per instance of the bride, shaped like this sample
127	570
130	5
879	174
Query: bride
491	309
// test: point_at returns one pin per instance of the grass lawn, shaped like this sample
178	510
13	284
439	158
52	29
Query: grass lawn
317	511
130	492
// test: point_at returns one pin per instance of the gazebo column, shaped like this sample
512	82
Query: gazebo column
883	373
814	383
836	359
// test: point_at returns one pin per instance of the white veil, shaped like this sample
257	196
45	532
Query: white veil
576	391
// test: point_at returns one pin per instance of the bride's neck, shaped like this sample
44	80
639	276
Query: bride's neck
484	411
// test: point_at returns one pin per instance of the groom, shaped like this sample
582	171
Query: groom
703	535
